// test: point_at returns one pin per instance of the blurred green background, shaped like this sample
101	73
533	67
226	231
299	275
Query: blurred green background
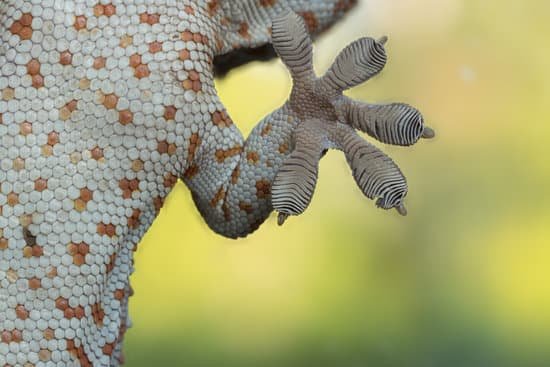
464	280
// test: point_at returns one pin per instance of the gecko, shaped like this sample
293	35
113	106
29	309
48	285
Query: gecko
106	104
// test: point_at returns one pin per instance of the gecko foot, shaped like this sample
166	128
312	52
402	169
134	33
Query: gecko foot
329	120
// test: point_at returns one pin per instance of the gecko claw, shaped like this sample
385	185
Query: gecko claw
383	40
401	210
428	133
281	218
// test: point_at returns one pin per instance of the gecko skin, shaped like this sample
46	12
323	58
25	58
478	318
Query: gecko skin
105	104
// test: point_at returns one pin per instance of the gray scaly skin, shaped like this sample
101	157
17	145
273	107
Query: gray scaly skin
104	104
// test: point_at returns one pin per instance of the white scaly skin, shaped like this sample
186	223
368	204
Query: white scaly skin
104	104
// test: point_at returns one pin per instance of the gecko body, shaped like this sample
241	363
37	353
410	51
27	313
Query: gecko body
105	104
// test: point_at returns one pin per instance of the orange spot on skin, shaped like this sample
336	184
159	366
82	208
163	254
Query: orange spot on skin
197	38
14	336
47	150
40	184
110	102
6	337
33	67
235	175
44	355
99	63
263	189
252	157
72	249
220	195
128	187
135	60
97	153
133	221
194	142
137	165
310	20
150	19
48	334
221	119
155	47
170	180
184	55
26	19
222	154
80	22
187	84
99	10
126	41
266	130
213	6
153	19
18	164
194	75
243	30
78	353
283	148
246	207
186	36
34	283
78	260
21	312
344	5
65	58
53	138
125	117
52	273
37	81
219	43
158	202
191	172
79	312
267	3
16	28
226	211
84	83
141	71
197	86
13	199
108	349
3	243
33	251
169	113
111	264
104	229
162	147
86	195
98	313
25	33
17	336
109	10
71	105
189	10
83	248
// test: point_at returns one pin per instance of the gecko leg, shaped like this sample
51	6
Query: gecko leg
328	119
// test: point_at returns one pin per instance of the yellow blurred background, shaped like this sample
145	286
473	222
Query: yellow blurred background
464	280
